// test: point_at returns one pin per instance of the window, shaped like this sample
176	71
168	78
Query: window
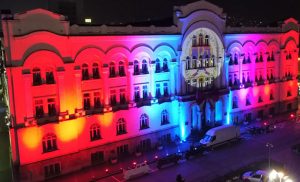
235	80
157	66
144	122
37	79
230	80
230	60
52	170
260	99
289	93
97	103
96	74
145	92
136	70
121	126
121	69
51	107
158	94
194	41
236	59
39	109
145	145
112	71
95	132
113	99
97	157
206	40
243	78
261	58
187	65
49	143
86	101
166	90
248	103
122	150
200	39
164	117
122	96
248	78
165	65
271	96
234	102
137	93
85	72
49	77
144	67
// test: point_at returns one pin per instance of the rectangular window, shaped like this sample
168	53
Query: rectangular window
137	93
86	101
97	103
158	94
145	145
51	107
145	92
166	90
113	98
52	170
122	96
39	109
122	150
97	157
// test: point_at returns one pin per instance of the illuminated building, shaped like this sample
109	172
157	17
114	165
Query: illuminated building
80	95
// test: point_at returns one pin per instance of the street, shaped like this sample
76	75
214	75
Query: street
229	158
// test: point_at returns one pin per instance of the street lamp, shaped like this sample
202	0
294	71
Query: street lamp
269	145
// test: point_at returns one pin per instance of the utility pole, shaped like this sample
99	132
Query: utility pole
269	145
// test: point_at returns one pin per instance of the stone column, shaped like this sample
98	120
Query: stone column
78	90
61	90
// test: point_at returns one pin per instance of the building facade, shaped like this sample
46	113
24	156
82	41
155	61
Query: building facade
81	95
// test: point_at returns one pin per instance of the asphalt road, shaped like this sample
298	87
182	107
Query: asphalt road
232	157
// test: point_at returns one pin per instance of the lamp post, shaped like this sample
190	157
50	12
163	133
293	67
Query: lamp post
269	145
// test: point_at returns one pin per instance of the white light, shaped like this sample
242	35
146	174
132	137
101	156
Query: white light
88	20
280	174
288	180
272	175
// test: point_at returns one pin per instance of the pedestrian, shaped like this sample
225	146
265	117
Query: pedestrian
179	178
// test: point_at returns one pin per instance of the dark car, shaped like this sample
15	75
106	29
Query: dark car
194	150
169	159
261	127
296	148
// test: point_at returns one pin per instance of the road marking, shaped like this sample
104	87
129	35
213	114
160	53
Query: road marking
116	179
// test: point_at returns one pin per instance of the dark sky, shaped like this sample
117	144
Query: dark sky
127	11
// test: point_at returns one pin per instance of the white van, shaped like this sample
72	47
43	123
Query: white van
220	135
136	170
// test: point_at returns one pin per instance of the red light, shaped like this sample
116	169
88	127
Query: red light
265	123
292	115
134	163
106	170
145	161
156	157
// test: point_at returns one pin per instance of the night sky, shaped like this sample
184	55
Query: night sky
128	11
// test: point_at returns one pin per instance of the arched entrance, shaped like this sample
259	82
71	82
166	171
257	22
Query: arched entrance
195	117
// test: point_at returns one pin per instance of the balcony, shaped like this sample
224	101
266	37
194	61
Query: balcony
143	102
120	106
163	99
46	119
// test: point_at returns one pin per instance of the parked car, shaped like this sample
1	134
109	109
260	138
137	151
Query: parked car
255	176
220	135
173	158
261	127
136	170
296	148
194	150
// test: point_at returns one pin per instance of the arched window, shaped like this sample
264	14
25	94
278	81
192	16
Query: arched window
248	102
206	40
144	121
194	41
236	59
144	67
188	60
121	69
157	65
112	72
200	61
212	61
121	126
158	93
136	68
164	117
271	95
49	76
49	143
96	74
200	39
95	132
85	72
36	76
